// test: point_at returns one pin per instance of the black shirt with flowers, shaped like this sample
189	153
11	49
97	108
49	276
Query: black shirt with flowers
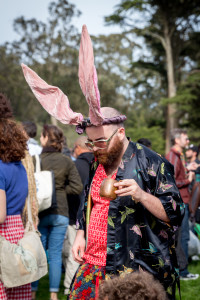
136	239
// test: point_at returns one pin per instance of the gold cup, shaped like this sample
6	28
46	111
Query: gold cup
107	188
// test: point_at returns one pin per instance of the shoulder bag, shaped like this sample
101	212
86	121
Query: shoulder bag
45	186
24	262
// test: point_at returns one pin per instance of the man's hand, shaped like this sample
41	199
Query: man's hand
129	187
191	176
78	248
192	166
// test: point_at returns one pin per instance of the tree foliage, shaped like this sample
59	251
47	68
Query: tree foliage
166	28
133	67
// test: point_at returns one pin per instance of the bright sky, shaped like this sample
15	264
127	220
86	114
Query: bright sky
92	15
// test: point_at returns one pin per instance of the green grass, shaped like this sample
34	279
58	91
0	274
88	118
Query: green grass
43	290
190	290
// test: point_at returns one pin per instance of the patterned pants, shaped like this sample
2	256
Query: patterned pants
12	229
87	279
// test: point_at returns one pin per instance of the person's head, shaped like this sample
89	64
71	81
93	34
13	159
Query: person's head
5	107
52	136
30	128
80	146
107	141
13	142
144	142
179	138
192	152
132	286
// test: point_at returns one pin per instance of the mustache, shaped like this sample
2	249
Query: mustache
97	153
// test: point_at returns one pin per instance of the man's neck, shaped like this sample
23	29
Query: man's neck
178	148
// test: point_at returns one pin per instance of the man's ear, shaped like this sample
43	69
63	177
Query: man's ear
176	140
121	133
78	149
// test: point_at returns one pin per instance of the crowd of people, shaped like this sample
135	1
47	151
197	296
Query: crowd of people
118	239
119	225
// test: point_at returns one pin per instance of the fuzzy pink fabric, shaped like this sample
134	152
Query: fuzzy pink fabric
54	101
88	78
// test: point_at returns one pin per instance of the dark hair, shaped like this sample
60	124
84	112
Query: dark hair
30	128
13	142
5	107
144	142
132	286
55	136
176	133
193	148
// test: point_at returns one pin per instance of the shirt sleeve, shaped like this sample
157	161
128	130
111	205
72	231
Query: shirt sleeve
2	181
74	185
168	193
173	159
81	214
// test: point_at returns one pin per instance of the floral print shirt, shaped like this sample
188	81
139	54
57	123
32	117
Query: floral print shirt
136	239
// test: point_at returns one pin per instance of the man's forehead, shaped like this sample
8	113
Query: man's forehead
184	135
189	150
95	133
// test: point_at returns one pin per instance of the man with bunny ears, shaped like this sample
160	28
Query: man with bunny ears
133	229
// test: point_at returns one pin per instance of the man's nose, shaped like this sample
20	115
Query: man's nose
94	148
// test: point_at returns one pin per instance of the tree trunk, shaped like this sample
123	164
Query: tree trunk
54	121
171	108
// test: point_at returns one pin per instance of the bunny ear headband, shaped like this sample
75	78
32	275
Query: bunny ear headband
56	103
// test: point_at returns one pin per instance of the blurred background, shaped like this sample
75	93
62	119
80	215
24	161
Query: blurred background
147	55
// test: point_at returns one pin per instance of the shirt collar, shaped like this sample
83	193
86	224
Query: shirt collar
128	154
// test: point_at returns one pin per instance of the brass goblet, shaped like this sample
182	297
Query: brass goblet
107	188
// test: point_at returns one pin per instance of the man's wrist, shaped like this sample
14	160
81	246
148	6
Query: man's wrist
141	198
81	233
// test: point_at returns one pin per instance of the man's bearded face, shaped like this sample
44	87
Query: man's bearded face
108	156
189	154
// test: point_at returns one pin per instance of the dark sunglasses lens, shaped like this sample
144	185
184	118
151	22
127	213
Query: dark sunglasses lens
100	144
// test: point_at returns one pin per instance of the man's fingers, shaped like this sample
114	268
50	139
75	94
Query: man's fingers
78	259
76	256
81	252
125	183
123	190
124	194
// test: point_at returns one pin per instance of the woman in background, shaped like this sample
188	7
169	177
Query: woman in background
13	189
53	222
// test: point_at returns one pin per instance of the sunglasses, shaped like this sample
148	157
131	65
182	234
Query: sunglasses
100	144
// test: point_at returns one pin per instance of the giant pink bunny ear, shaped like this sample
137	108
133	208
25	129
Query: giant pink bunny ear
88	78
54	101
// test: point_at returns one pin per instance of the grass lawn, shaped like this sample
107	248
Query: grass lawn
43	290
190	290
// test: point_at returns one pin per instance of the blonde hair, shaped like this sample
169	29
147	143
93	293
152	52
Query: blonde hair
28	165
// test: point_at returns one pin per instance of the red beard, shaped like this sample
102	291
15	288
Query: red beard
107	158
